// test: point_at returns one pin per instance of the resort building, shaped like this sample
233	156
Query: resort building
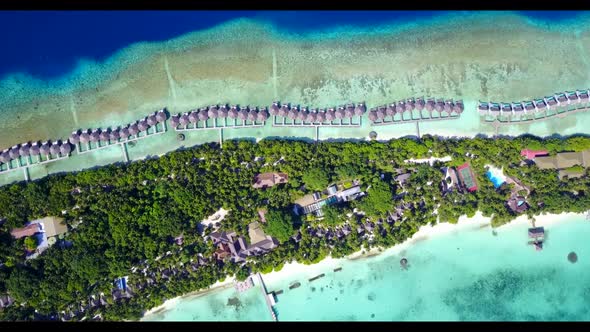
531	154
517	204
46	230
467	177
5	301
565	162
236	248
265	180
314	203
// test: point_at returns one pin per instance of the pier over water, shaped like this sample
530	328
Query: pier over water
268	298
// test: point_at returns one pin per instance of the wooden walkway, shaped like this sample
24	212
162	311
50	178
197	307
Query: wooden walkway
269	304
393	122
498	122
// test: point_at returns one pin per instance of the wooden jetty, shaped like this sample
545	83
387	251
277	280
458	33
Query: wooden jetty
268	297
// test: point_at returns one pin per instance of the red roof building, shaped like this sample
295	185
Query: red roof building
25	231
531	154
467	177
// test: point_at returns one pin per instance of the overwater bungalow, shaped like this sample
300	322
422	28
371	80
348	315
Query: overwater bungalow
5	157
223	112
380	113
133	129
330	115
124	133
84	137
252	115
54	149
410	104
74	138
193	117
528	106
373	115
390	110
302	115
142	125
161	116
213	112
360	109
495	109
439	105
243	113
34	149
517	108
283	111
420	103
573	97
320	116
311	117
459	107
44	149
506	109
540	104
561	99
349	111
583	94
184	121
65	149
233	112
448	106
174	121
95	135
24	150
202	115
430	103
483	108
114	135
274	108
262	115
400	107
551	101
292	114
151	120
105	136
339	113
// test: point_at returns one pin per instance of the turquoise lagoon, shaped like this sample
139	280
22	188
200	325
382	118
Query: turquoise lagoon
468	274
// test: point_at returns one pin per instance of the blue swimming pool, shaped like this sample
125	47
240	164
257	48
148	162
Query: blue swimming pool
495	180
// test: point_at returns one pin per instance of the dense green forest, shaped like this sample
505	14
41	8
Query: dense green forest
127	215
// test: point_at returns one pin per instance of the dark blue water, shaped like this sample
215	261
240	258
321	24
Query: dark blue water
48	44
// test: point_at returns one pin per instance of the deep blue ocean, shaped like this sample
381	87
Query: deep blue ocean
48	44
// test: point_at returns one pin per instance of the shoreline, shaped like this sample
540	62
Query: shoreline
168	304
293	270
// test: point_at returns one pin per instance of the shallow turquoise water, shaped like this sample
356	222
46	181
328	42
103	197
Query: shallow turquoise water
466	275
